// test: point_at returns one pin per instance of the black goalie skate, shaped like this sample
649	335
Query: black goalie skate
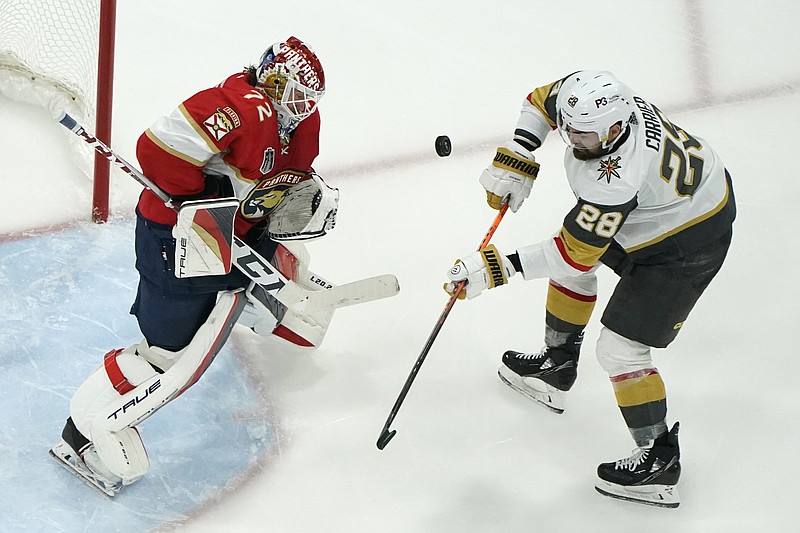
78	456
544	377
649	476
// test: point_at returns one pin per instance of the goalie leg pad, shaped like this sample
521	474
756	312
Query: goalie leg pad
304	329
186	368
128	388
121	452
265	315
260	318
122	372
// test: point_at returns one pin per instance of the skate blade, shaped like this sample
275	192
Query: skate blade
545	395
656	495
66	457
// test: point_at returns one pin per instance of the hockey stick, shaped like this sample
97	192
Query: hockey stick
246	259
386	434
356	292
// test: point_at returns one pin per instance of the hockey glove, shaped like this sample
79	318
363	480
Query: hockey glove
484	269
510	176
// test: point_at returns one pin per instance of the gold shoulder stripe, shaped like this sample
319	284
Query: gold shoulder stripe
172	151
689	224
538	98
198	129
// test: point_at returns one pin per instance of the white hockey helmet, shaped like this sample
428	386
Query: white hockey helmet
592	101
291	76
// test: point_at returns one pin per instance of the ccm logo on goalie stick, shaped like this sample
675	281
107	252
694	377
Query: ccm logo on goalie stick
255	269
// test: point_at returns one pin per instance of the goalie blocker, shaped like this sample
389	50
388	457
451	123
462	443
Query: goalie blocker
284	298
204	230
300	310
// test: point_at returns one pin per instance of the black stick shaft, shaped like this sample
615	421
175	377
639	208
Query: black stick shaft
386	434
246	259
73	125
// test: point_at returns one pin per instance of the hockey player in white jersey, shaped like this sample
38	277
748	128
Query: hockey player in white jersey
656	205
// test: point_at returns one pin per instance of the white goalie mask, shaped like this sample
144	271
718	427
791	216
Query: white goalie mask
291	76
592	101
307	211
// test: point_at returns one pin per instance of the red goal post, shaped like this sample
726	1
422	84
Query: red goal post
60	55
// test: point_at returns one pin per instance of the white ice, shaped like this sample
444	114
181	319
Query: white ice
469	454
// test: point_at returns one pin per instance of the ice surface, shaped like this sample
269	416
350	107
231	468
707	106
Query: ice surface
63	300
469	454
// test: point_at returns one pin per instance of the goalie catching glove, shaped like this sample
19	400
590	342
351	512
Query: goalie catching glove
307	211
509	179
484	269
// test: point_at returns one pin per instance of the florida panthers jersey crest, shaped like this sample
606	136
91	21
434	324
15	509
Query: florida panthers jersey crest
229	130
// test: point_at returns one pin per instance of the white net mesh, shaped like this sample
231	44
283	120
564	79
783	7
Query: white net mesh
48	57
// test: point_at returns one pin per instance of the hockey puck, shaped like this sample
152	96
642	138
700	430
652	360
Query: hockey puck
443	146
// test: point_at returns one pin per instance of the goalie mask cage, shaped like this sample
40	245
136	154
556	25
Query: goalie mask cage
60	55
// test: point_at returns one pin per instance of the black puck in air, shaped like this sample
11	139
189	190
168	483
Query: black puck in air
443	145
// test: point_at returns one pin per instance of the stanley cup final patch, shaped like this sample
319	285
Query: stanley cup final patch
223	121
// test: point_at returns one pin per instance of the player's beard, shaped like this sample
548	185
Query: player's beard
585	154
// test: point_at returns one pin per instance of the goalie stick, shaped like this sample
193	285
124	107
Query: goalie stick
386	433
250	263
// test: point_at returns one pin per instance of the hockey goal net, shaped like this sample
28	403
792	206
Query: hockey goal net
60	55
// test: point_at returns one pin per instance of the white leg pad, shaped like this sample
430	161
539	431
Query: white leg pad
96	393
619	355
258	318
304	329
132	407
163	359
122	452
127	389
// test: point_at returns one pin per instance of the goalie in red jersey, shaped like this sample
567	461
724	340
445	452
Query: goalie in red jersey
252	139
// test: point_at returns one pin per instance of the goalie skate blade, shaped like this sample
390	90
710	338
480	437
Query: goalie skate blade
66	457
655	495
546	395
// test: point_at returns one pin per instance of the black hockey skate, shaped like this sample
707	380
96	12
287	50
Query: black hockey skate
649	476
545	376
78	456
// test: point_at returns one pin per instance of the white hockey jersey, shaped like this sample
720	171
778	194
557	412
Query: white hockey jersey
658	182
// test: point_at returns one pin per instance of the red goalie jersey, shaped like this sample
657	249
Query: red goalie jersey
229	130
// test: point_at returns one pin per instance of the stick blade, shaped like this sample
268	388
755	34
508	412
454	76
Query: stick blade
385	437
